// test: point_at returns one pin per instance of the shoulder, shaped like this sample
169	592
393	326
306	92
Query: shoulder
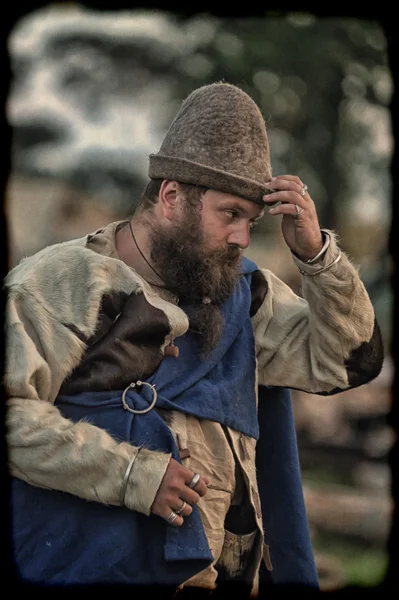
50	257
70	264
68	281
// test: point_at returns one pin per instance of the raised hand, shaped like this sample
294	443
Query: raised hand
300	224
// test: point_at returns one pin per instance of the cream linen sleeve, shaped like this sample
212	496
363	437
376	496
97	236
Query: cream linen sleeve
44	448
324	341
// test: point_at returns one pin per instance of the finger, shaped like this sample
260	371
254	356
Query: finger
285	197
184	510
173	519
201	487
288	209
190	496
278	184
286	177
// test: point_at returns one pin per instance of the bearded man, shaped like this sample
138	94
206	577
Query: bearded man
150	429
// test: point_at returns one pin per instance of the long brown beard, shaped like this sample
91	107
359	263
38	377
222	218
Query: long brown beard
194	273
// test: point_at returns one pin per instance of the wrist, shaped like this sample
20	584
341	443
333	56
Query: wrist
144	479
318	255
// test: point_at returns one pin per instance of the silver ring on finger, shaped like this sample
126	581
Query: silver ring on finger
172	517
180	510
299	210
194	481
303	191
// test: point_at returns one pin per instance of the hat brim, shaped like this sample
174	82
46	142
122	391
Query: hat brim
187	171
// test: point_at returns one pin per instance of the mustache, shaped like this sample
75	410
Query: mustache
234	252
228	255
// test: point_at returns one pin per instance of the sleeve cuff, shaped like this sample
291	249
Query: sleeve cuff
319	255
147	473
326	255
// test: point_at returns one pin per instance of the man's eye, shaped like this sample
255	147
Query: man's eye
231	213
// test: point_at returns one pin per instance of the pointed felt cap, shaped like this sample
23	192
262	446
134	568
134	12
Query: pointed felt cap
218	140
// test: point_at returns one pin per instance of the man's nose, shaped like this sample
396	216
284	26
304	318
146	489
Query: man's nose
240	237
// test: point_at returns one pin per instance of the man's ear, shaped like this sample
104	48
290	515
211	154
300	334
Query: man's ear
168	198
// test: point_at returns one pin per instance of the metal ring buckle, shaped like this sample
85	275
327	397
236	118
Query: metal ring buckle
145	410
